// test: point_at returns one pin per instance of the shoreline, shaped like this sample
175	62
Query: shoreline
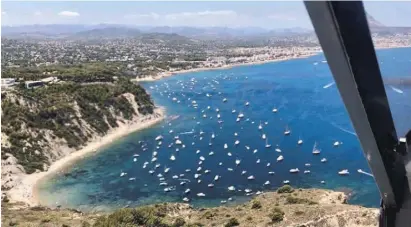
27	191
163	75
166	74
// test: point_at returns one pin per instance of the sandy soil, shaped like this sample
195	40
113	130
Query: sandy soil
26	190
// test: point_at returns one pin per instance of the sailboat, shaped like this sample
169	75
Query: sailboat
300	141
266	144
280	158
287	131
260	126
263	136
315	150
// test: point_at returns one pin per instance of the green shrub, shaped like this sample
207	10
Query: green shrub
276	215
232	222
179	222
208	215
295	200
256	204
285	189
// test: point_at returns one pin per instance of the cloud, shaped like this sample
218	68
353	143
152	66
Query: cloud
143	16
175	16
283	17
38	13
68	14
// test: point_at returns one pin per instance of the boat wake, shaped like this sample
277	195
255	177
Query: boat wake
328	85
343	129
397	90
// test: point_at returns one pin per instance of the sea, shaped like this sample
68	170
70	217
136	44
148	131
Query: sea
307	103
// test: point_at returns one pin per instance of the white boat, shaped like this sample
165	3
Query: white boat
183	183
275	110
224	100
196	175
220	163
154	159
151	171
202	158
322	182
263	136
185	199
187	191
278	149
223	201
344	172
280	158
218	116
122	174
172	158
271	173
258	193
233	111
216	178
188	170
296	170
178	142
134	159
238	119
229	154
260	126
237	162
230	169
336	144
287	131
255	151
247	190
307	164
166	170
307	171
154	153
225	146
199	169
198	151
300	141
200	194
237	142
286	182
268	164
235	134
251	177
168	189
243	172
315	149
207	171
267	183
175	177
324	160
266	144
212	136
211	153
241	115
247	103
231	188
159	137
163	184
210	185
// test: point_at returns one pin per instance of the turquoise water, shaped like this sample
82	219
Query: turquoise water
296	88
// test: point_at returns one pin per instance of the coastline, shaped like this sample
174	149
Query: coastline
166	74
27	191
162	75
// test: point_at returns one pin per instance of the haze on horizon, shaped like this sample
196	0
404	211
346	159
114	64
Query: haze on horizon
268	15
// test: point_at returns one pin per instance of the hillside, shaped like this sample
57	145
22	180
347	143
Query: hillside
42	125
286	207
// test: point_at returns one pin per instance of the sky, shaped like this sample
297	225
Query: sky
270	15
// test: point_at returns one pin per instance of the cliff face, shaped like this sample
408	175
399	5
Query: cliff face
42	125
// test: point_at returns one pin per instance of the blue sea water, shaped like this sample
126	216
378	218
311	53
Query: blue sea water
295	87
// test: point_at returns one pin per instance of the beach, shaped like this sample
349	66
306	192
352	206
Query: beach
26	190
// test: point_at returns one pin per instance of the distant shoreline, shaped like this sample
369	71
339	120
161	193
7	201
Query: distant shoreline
163	75
27	190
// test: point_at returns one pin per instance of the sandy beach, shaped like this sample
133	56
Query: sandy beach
26	190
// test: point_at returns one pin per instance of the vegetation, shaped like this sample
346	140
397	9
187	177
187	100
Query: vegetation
179	222
148	216
232	222
295	200
285	189
255	204
276	215
61	110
